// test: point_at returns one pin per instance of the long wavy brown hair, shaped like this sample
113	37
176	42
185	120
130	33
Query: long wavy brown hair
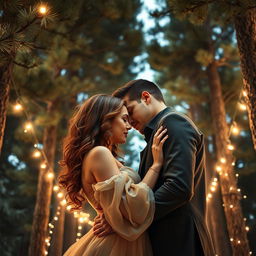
89	126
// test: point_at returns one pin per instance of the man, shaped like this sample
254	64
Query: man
179	227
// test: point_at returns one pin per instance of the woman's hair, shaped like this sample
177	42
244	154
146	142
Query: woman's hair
90	126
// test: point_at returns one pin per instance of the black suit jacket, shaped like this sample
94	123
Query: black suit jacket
179	226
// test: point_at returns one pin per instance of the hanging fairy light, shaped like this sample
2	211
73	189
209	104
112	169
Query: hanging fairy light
242	106
230	147
50	175
244	93
223	160
36	154
43	9
56	188
28	127
17	107
43	166
235	129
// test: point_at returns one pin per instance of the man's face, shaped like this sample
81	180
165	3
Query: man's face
139	113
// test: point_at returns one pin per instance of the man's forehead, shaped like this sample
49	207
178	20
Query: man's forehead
127	101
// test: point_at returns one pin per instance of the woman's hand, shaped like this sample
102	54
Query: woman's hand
157	148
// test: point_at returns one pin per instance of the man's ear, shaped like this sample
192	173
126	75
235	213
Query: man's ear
146	97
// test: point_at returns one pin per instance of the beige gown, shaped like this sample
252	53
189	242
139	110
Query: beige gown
128	206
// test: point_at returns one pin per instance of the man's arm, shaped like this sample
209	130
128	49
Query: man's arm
179	165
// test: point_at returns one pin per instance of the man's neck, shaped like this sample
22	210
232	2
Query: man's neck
159	107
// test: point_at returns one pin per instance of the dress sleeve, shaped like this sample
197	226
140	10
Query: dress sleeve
128	207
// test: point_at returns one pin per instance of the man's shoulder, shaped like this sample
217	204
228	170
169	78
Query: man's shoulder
178	120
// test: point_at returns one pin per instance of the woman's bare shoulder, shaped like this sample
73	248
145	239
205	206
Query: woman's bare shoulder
101	163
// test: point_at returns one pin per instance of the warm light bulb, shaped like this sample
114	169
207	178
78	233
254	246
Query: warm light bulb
36	154
231	206
218	168
209	195
244	196
244	93
50	175
28	126
56	188
231	239
78	234
17	107
60	195
213	189
235	130
223	160
43	166
79	227
214	183
242	106
230	147
42	9
63	202
239	242
55	218
247	228
69	207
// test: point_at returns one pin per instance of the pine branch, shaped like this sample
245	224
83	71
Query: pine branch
20	30
24	65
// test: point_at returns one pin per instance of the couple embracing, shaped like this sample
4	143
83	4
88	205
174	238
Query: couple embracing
160	210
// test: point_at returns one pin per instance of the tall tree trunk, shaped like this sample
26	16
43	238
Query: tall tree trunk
5	81
58	235
245	25
215	214
44	192
230	195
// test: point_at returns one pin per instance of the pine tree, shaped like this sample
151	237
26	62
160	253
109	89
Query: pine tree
17	18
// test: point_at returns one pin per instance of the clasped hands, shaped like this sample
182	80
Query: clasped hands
101	227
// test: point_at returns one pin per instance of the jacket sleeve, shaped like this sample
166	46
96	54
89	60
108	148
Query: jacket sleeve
179	165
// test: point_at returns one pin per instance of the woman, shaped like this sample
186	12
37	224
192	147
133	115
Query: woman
92	172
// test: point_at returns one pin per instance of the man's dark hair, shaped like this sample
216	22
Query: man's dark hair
134	88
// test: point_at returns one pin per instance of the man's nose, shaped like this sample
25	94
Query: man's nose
128	126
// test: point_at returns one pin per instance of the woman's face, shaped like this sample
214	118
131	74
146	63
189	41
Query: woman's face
120	127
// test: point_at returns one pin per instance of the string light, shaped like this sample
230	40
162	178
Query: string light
43	166
56	188
42	9
17	107
60	195
230	147
28	127
50	175
242	106
36	154
218	168
235	130
223	160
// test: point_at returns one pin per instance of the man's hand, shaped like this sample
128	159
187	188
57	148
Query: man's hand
101	227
